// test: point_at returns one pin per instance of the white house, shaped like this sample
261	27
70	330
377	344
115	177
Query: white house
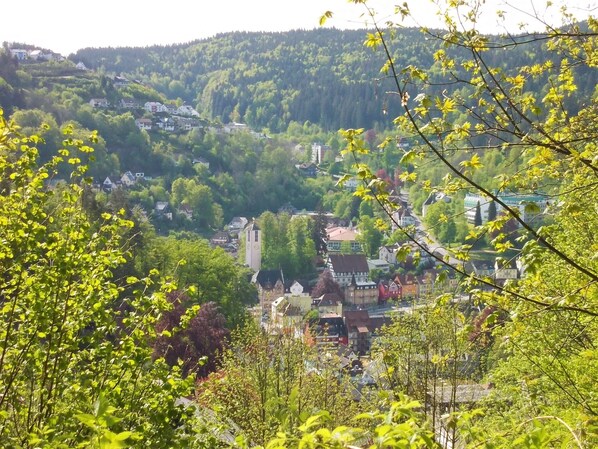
19	54
187	111
167	124
108	185
235	127
347	268
128	179
99	103
154	106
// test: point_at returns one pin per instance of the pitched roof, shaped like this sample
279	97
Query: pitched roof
268	278
357	318
329	299
253	226
349	263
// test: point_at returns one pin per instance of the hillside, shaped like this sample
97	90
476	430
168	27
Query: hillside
325	76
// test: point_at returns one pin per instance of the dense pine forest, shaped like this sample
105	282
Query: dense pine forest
132	316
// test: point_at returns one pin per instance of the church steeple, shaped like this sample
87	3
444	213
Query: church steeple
253	246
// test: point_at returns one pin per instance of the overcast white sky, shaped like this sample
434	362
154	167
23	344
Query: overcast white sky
68	25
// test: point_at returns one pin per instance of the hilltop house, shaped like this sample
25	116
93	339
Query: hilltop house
19	54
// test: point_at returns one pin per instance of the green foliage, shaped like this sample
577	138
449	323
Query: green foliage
274	383
207	274
488	126
287	244
68	339
399	427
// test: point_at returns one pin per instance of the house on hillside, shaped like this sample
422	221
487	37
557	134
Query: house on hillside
120	81
187	110
128	179
237	224
128	103
388	253
433	198
221	238
108	185
99	103
186	211
166	124
201	161
379	264
235	127
402	218
19	54
154	106
307	170
187	123
318	152
144	123
162	209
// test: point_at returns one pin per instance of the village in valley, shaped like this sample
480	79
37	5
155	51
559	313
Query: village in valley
263	239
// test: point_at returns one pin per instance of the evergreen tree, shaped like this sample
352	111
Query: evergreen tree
492	211
477	221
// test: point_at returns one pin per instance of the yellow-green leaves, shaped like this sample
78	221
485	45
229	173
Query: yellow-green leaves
327	15
475	162
445	105
373	40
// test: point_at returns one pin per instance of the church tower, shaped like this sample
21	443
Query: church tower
253	246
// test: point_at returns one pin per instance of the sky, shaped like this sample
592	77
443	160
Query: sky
65	26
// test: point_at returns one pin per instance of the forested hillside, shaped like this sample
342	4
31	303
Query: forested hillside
324	76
